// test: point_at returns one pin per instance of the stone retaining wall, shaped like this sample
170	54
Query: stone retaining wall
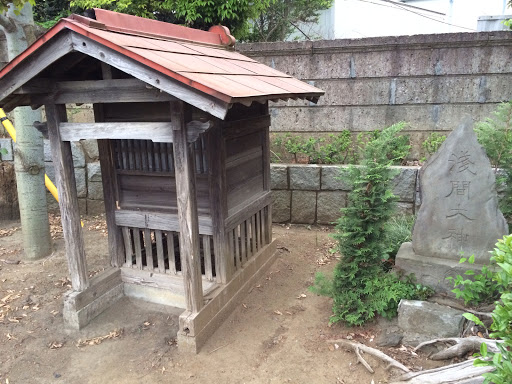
314	194
430	81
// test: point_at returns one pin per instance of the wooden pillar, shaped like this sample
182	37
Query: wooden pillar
68	200
218	201
185	176
266	179
110	195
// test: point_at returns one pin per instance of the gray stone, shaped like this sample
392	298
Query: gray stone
78	155
304	177
405	208
303	207
333	178
421	321
389	339
404	184
7	145
95	207
90	148
50	171
459	209
94	171
281	201
278	176
329	204
95	190
81	183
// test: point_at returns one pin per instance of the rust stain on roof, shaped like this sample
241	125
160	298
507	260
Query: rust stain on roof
204	60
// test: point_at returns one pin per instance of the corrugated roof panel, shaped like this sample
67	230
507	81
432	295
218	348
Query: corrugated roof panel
217	52
157	58
254	82
224	85
230	66
261	69
284	83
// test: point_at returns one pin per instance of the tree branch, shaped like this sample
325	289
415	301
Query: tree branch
7	24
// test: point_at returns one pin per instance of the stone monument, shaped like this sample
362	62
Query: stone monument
459	212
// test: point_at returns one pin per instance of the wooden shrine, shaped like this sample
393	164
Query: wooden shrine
182	125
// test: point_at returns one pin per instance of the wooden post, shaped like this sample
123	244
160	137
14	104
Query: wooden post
218	201
187	209
267	212
109	180
68	200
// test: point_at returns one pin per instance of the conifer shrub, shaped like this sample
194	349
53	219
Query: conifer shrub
360	287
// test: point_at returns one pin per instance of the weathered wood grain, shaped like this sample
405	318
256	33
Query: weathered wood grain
216	152
127	238
160	251
68	200
187	209
158	220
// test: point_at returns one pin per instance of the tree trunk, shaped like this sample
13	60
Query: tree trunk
29	153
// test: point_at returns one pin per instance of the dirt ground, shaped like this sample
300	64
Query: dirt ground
277	335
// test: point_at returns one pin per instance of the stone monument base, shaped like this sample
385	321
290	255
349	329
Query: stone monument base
431	271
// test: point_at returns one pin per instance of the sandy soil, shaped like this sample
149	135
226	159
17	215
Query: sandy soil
278	334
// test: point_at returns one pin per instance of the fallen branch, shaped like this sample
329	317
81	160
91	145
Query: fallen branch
358	348
460	346
453	304
460	373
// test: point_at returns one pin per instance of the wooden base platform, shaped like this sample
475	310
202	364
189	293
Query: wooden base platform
220	299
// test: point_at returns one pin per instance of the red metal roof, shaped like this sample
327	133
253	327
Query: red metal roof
203	60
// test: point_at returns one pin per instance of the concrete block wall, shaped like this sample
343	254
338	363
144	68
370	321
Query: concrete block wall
429	81
314	194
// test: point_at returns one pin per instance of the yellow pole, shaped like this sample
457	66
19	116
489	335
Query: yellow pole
11	131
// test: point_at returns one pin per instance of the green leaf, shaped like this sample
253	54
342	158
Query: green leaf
473	318
462	260
483	349
471	259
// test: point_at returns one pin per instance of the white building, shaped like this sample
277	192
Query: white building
369	18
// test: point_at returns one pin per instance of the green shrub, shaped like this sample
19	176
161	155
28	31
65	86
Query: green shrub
360	287
481	289
398	230
433	142
495	135
502	319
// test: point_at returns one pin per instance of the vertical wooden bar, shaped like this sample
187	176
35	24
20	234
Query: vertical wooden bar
138	247
148	245
144	156
124	154
231	250
156	154
254	235
170	252
267	212
138	154
250	230
149	148
170	157
163	157
160	251
131	155
263	228
258	230
207	254
216	153
127	246
243	241
187	209
237	246
68	199
110	194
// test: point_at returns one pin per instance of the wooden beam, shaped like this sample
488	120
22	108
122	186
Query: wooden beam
158	220
110	193
217	185
247	209
53	50
187	209
150	76
93	91
157	132
68	200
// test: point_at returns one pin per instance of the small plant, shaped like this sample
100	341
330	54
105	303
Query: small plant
502	319
495	135
482	289
360	287
398	231
433	142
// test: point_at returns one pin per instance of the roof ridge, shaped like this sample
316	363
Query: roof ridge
217	35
